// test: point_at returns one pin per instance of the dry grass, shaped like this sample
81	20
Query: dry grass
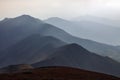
56	73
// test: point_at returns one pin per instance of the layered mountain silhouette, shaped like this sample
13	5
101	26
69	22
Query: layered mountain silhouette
29	50
91	30
76	56
27	40
15	29
96	19
56	73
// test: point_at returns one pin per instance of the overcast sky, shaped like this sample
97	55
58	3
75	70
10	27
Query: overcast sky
60	8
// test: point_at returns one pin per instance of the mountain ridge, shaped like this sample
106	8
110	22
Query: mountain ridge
20	48
30	50
77	27
89	29
74	55
12	33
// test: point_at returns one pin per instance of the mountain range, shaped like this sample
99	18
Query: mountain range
16	29
29	50
76	56
102	20
27	40
93	31
89	28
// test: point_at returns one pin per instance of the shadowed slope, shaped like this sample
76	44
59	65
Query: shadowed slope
76	56
91	30
30	50
16	29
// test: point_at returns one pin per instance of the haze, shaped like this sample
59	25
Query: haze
61	8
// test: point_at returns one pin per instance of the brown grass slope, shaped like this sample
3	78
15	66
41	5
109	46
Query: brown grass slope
57	73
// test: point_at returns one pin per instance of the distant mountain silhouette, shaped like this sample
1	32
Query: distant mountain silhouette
30	50
57	73
88	28
16	29
91	30
27	40
96	19
76	56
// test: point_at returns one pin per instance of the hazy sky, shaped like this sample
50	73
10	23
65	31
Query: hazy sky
60	8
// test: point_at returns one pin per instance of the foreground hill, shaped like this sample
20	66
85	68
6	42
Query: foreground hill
15	68
29	50
57	73
74	55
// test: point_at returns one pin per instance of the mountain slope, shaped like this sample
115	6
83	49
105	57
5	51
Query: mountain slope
93	31
16	29
76	56
30	50
101	20
99	48
89	29
57	73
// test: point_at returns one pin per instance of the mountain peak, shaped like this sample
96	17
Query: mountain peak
73	45
55	19
25	17
22	18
